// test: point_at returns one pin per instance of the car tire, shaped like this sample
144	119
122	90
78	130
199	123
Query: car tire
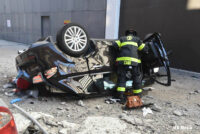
73	40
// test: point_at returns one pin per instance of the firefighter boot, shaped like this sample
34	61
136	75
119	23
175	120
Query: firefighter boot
121	97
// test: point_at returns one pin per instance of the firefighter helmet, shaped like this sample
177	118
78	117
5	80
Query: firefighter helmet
131	32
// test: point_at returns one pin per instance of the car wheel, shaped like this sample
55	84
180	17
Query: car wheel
73	40
157	57
163	58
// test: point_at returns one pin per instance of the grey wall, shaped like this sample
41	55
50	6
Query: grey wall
25	16
180	27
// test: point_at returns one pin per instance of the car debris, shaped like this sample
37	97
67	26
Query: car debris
76	68
107	102
10	93
111	100
9	85
26	95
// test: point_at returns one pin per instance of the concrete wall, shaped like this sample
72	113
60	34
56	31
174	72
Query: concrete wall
112	19
179	25
25	17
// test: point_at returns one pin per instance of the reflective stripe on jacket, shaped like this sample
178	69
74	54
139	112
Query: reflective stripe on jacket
128	50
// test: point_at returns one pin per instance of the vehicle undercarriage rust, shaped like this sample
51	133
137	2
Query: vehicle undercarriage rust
76	64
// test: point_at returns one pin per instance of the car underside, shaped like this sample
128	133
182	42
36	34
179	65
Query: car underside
79	65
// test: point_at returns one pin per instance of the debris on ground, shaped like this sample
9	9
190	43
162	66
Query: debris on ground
132	120
197	91
63	103
63	131
197	123
146	111
80	103
97	124
10	93
111	101
198	104
60	108
68	125
172	124
107	102
9	85
177	113
156	108
50	121
126	112
194	92
98	107
21	122
148	88
123	115
102	125
150	97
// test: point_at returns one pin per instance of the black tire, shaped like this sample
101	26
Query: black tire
162	60
165	62
73	40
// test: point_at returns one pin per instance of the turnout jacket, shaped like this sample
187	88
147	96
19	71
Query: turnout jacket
128	47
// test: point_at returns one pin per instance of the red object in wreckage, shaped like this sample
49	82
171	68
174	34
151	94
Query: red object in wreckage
10	127
23	84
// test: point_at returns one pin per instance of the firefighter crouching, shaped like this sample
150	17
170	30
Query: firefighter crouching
128	47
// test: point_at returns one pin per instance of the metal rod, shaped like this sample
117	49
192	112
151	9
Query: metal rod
31	118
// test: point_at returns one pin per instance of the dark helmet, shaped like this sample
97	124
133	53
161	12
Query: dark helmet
131	32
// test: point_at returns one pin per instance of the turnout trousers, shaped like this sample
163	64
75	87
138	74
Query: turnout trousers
121	82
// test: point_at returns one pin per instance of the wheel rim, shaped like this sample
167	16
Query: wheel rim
75	38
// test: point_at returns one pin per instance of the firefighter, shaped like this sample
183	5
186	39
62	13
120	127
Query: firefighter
128	48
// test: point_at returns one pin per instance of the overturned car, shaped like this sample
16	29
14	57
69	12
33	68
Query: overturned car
79	65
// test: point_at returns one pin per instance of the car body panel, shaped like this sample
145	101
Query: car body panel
75	74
